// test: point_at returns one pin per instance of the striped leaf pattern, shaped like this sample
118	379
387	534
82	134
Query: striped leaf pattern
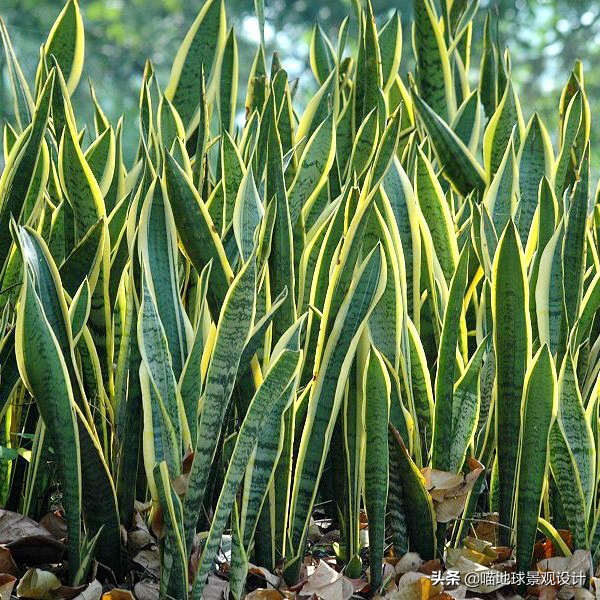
301	304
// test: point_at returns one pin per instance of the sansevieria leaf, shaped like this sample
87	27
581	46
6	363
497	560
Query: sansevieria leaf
326	394
433	61
270	397
377	394
43	369
196	230
232	333
512	347
455	158
157	242
437	214
574	245
66	43
79	183
322	54
506	122
465	409
16	177
22	99
174	566
539	409
162	417
390	48
315	163
576	428
417	503
98	493
200	50
445	378
536	160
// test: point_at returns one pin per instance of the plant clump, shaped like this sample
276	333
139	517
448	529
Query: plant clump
364	332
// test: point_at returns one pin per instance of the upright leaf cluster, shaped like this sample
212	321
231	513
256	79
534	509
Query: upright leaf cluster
282	308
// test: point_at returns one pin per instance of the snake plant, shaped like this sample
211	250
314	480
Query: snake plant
291	305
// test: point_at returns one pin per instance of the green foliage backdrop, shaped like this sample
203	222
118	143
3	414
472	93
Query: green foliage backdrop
545	38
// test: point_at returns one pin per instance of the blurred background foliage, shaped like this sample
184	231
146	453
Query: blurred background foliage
544	37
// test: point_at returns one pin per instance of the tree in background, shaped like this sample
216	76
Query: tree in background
545	36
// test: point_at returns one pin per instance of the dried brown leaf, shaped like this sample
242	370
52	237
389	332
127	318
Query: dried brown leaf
465	566
55	524
215	589
7	583
415	586
146	590
270	579
91	592
7	564
69	593
503	552
328	584
487	528
427	568
449	490
37	550
149	560
14	526
138	539
38	584
411	561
